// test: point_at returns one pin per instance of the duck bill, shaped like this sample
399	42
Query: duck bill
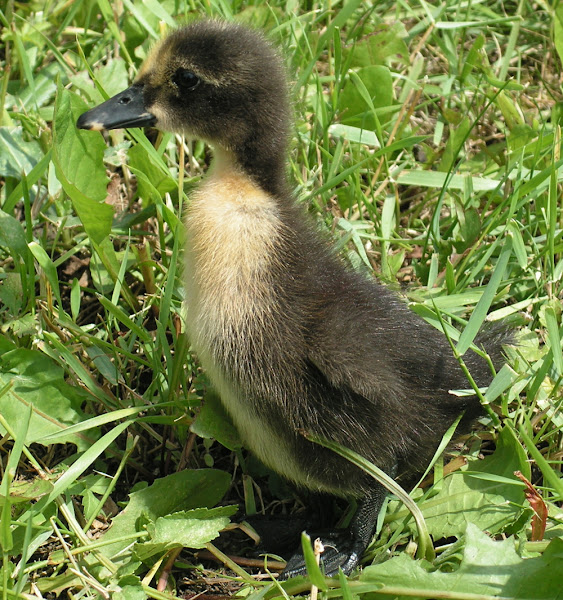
126	109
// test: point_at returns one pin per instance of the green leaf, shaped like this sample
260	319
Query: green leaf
160	180
31	179
42	90
48	267
384	42
503	380
435	179
518	245
357	107
479	314
213	422
113	78
17	156
186	529
454	146
57	584
488	570
38	381
19	434
78	157
129	588
553	335
12	236
558	30
97	421
471	226
177	492
473	58
467	498
30	489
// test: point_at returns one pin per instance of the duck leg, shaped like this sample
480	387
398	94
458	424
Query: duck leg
343	548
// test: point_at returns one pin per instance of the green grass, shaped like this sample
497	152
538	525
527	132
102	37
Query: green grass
427	141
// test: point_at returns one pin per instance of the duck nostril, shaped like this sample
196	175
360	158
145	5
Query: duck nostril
125	100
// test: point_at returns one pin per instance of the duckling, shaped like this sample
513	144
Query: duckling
293	339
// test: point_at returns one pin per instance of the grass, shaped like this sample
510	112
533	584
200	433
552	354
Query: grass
427	141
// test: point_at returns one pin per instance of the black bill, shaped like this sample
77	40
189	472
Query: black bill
126	109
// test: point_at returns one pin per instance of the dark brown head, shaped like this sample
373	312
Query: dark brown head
217	81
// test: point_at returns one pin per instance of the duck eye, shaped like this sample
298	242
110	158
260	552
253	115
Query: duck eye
185	80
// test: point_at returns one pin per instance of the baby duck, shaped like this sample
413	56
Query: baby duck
293	339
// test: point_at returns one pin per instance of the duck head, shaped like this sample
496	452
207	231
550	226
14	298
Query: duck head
212	80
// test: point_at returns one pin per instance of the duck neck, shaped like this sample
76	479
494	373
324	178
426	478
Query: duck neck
267	168
264	166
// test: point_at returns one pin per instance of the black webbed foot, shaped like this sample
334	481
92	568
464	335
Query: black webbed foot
343	548
341	551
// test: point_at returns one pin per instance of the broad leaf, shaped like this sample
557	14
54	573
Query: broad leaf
482	494
181	491
35	379
355	107
385	42
17	156
186	529
214	422
488	569
78	156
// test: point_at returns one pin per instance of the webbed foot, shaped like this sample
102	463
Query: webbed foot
343	548
341	551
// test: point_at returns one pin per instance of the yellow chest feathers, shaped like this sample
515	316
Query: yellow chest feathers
232	228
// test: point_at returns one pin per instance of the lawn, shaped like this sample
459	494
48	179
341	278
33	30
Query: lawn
427	145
